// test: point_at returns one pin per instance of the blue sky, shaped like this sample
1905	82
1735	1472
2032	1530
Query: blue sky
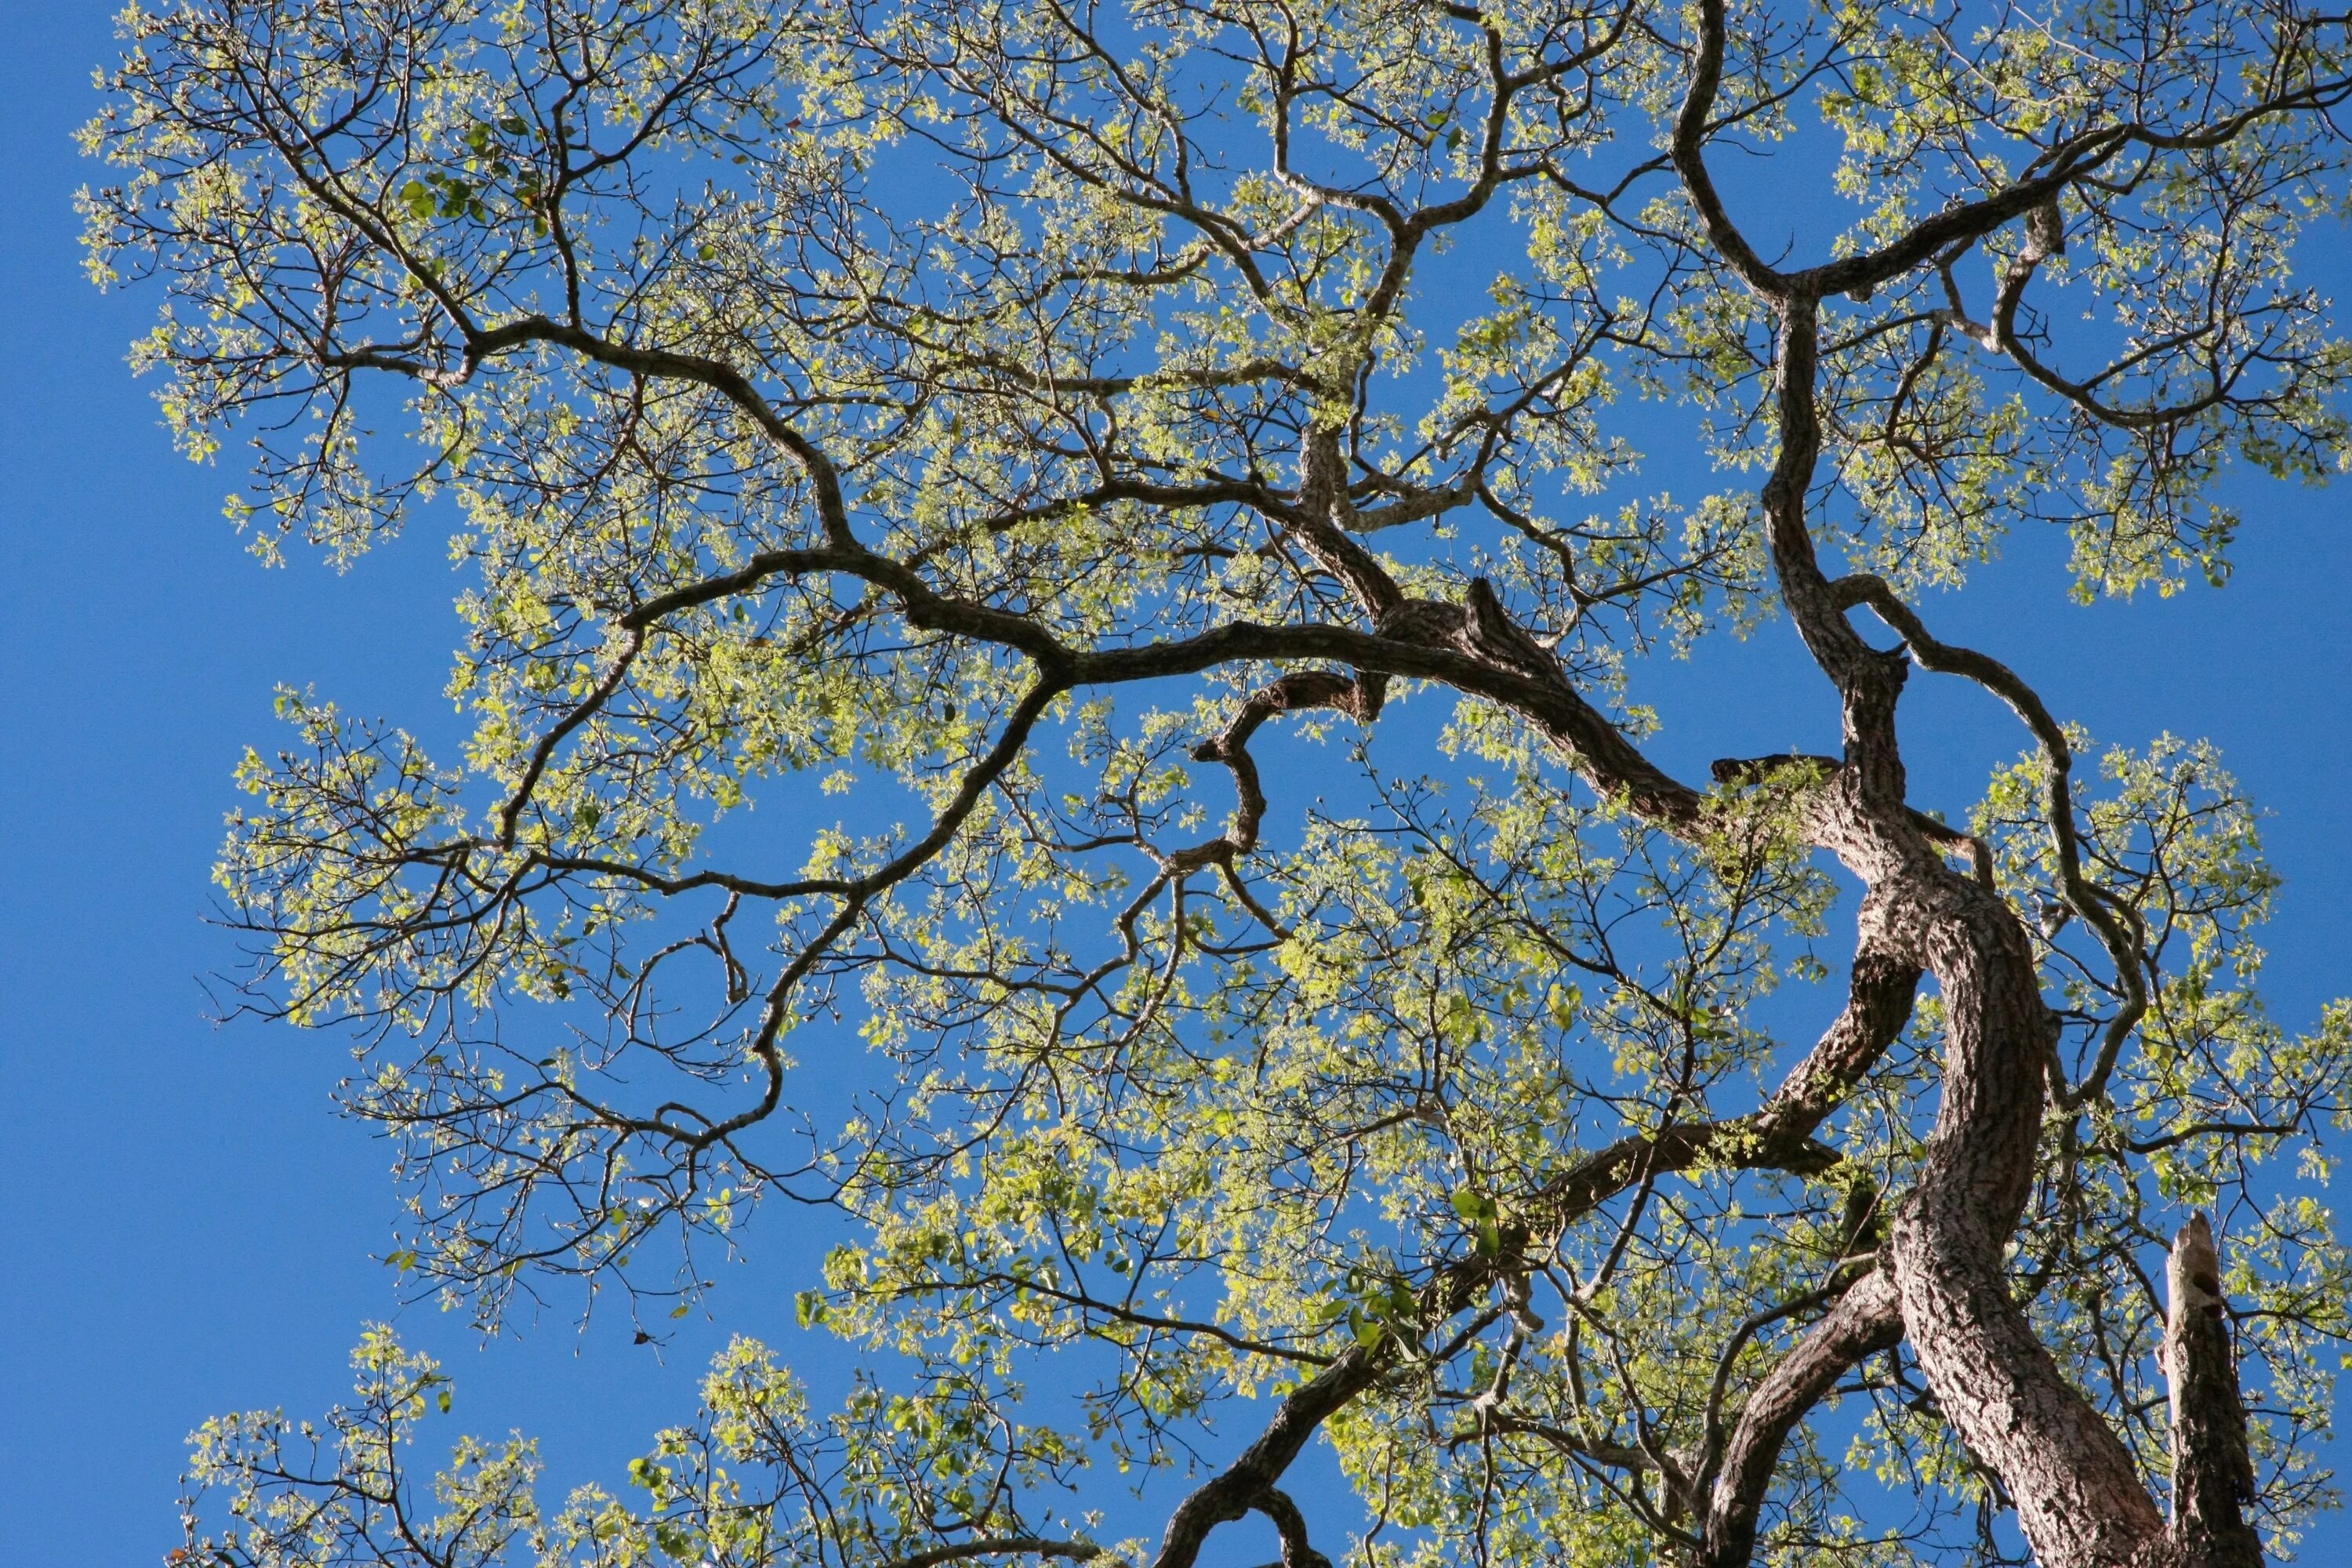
187	1229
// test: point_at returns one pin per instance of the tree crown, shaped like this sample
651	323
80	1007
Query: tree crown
969	430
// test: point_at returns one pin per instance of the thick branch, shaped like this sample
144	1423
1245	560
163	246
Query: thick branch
2097	909
1245	1483
2212	1473
1867	1319
1298	1550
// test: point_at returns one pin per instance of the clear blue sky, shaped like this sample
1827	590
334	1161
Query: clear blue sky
188	1230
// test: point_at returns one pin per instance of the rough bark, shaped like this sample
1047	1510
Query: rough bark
2080	1499
1941	1281
1869	1317
1248	1483
2212	1473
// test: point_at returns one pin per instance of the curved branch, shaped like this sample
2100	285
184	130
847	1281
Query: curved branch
2099	910
632	642
1292	693
1688	151
1244	1484
1868	1318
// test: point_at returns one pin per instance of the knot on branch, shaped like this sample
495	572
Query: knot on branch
1480	626
1424	623
2045	232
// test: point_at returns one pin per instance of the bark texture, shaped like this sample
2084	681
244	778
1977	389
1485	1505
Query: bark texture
2080	1498
1939	1279
2212	1473
1869	1319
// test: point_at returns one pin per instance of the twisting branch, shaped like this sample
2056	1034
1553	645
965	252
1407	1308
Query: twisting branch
1294	693
2116	926
2078	1494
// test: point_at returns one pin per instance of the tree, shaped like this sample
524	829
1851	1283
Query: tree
1000	416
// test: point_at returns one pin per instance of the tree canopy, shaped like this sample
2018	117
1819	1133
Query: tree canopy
1165	511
